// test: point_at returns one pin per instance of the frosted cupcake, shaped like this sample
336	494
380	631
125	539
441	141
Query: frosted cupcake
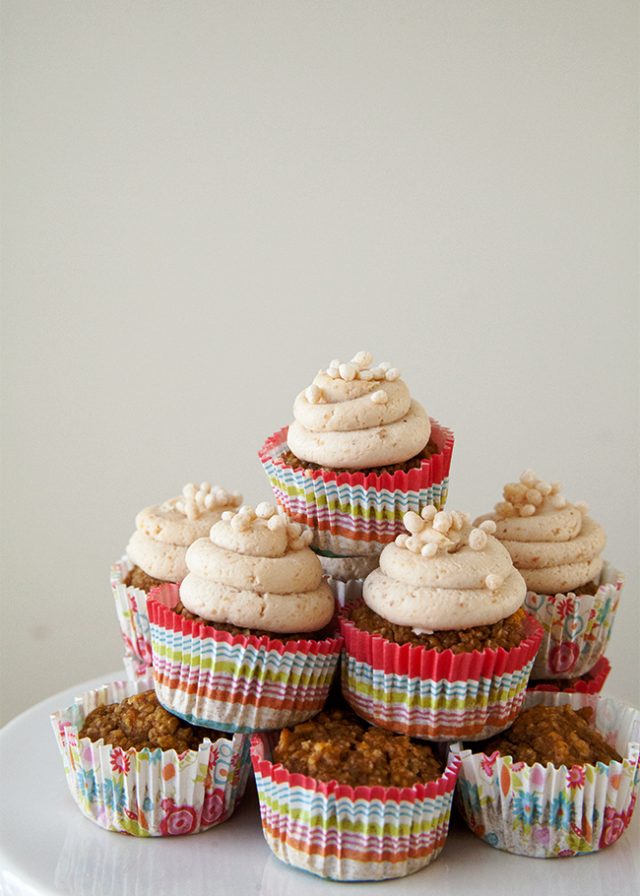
572	591
359	454
440	647
244	643
156	553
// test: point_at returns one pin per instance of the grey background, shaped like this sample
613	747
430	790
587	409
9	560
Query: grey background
205	202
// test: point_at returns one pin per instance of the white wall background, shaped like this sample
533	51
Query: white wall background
204	202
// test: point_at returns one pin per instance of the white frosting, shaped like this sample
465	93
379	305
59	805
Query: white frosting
444	575
355	415
165	531
256	570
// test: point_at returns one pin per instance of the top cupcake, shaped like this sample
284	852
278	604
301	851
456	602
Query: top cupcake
556	546
358	415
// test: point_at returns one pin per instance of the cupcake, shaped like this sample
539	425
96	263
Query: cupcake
134	768
561	782
572	591
347	801
359	454
156	553
246	642
440	647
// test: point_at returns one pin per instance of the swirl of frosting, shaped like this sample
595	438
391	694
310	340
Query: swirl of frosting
256	571
553	543
357	415
444	575
165	531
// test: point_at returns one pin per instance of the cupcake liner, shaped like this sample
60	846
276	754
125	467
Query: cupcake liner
590	683
437	695
344	592
131	608
531	810
351	833
356	513
576	629
233	682
148	793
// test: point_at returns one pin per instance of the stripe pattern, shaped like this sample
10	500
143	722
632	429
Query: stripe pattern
351	834
356	507
233	682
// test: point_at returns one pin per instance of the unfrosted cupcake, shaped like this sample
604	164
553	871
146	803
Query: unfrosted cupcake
156	553
245	643
359	454
440	648
571	590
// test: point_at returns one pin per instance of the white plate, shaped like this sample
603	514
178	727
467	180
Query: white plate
47	846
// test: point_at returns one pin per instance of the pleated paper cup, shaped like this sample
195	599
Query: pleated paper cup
148	793
131	609
345	592
436	695
356	513
235	682
576	629
531	810
351	833
590	683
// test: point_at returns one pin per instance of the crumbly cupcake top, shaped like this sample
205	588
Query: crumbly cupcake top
357	415
558	735
444	574
556	546
165	531
338	746
256	570
141	722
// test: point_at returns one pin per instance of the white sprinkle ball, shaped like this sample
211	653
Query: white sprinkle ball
413	522
488	526
264	510
313	394
442	521
377	373
180	506
534	496
335	363
477	539
384	366
401	540
558	501
333	372
347	372
362	360
379	397
227	515
429	550
275	523
189	490
429	512
413	544
294	529
528	478
527	510
493	581
543	487
208	501
392	374
365	375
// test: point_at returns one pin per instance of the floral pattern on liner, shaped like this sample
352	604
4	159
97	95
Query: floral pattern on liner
346	833
576	629
435	695
591	683
356	513
233	682
131	608
531	810
148	793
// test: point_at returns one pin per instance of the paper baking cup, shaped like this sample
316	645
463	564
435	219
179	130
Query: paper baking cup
351	833
545	812
356	513
576	629
345	592
148	793
233	682
131	608
591	683
437	695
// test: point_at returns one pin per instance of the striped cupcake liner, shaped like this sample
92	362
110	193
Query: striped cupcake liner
232	682
437	695
590	683
576	629
356	513
131	609
531	810
148	793
346	833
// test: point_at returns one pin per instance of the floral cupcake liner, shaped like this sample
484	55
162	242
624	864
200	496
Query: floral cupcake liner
531	810
232	682
131	608
437	695
148	793
590	683
576	629
351	833
356	513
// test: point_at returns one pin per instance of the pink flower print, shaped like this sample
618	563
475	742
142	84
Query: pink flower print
178	819
614	824
213	807
563	656
119	761
133	602
488	763
575	777
564	607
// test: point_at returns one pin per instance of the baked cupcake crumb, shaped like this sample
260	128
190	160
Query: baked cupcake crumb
428	451
181	610
558	735
138	578
338	746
